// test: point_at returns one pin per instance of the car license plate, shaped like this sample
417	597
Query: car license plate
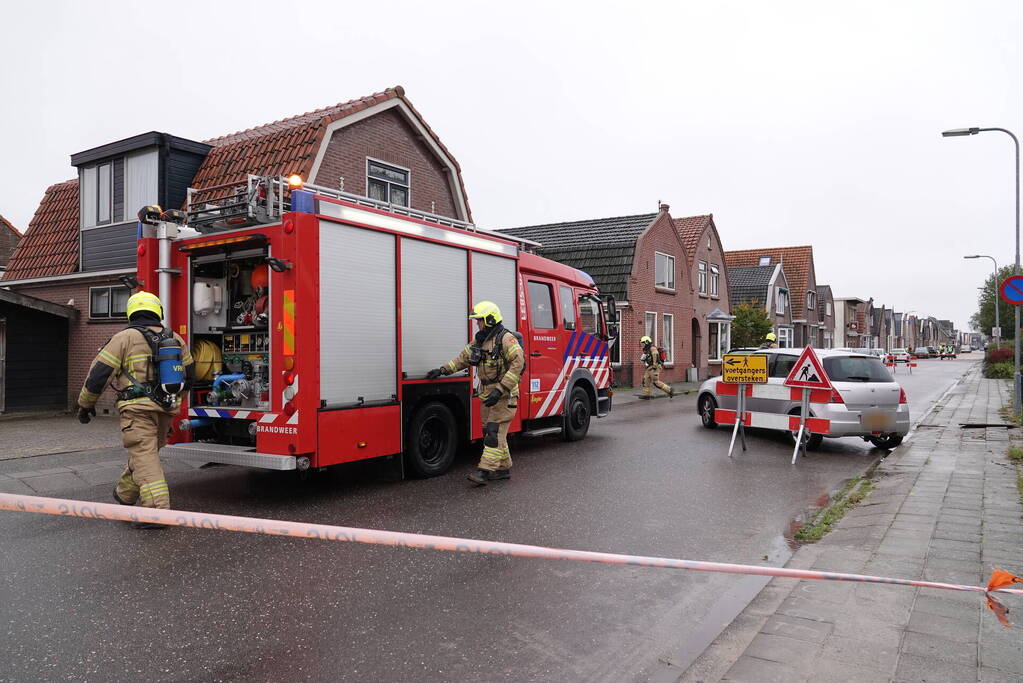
876	420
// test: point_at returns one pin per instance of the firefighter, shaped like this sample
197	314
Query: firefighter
497	355
654	364
127	363
770	341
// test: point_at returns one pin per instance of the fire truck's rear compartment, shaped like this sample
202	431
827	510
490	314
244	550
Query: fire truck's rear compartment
229	311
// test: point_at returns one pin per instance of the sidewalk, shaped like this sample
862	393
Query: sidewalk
945	508
24	437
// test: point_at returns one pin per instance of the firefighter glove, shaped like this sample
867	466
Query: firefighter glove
435	373
85	415
492	398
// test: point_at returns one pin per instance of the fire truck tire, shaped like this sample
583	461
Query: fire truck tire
431	442
577	415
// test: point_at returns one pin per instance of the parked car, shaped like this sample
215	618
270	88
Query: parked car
922	352
933	352
966	348
900	355
866	401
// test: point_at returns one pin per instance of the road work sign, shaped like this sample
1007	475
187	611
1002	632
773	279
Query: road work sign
744	369
808	373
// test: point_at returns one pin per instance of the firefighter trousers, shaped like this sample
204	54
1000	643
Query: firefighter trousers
652	378
144	433
496	421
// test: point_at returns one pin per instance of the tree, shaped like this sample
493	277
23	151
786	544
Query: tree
751	324
984	318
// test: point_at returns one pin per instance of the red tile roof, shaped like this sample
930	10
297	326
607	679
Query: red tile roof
690	229
50	245
796	262
290	145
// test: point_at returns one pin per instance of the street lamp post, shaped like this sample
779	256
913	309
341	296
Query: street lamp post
1016	383
998	318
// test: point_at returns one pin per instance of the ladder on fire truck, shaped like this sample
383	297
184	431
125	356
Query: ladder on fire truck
264	199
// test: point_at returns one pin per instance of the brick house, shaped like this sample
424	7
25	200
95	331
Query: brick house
641	261
801	274
9	239
81	241
825	317
765	287
711	323
848	329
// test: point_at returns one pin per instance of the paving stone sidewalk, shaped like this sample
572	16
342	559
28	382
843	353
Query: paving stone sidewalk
945	508
25	437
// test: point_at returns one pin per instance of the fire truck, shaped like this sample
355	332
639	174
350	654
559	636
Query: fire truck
314	316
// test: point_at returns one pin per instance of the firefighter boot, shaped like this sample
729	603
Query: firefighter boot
480	477
497	475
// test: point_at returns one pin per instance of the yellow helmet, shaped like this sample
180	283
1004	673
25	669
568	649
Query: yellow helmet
771	336
144	301
488	312
645	340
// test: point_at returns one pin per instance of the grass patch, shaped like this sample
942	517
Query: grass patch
1006	414
850	495
1016	454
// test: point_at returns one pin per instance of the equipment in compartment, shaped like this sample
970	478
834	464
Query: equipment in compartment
230	317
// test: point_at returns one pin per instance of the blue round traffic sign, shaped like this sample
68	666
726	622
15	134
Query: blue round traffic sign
1011	290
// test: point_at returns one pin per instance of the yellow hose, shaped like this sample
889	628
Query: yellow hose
208	360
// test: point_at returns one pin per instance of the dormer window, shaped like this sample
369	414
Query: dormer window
765	260
387	183
102	193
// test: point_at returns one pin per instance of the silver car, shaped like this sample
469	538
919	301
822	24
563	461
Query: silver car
866	401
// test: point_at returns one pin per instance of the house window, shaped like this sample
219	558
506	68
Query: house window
811	300
827	308
668	340
702	281
101	193
714	276
765	261
567	307
387	183
783	295
664	270
720	340
108	302
785	337
650	326
540	303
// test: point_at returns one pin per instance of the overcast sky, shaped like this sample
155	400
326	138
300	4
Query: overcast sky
792	122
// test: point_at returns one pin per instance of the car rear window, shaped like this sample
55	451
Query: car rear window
856	369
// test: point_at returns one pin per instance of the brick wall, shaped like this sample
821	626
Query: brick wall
8	243
84	337
644	296
704	304
827	321
388	137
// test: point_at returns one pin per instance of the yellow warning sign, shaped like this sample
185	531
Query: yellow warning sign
744	369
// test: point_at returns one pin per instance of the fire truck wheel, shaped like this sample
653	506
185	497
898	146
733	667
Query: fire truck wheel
431	443
577	417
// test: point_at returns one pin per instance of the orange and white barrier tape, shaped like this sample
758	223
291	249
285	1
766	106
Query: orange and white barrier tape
271	527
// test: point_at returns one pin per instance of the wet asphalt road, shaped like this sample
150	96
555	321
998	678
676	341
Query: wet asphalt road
87	600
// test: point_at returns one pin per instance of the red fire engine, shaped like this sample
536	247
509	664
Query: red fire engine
314	316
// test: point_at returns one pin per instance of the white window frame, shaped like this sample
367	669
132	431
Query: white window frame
764	261
668	327
701	281
782	296
786	337
669	270
106	315
408	188
811	301
827	308
715	275
724	336
650	329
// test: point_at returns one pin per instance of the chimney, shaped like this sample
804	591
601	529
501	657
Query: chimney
662	207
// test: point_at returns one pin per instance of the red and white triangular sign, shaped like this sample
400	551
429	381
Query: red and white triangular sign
808	373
